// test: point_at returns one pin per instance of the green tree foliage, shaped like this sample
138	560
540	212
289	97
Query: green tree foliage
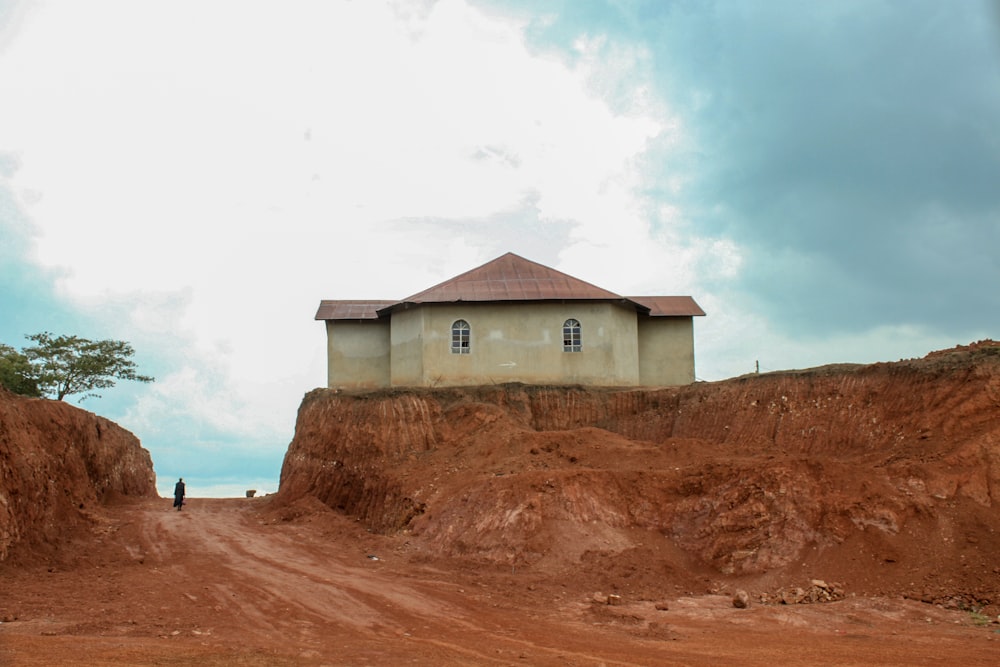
16	373
58	366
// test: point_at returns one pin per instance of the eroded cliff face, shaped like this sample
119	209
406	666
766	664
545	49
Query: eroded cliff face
58	463
885	475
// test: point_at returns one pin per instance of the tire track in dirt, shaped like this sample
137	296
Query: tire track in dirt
285	586
271	573
223	583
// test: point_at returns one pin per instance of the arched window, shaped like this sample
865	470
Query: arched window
460	337
571	336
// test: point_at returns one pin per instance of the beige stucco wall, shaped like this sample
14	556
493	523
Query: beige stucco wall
511	343
407	365
666	351
514	343
357	354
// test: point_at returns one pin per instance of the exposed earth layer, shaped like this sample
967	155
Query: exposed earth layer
854	508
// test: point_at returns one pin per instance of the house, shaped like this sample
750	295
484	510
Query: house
510	320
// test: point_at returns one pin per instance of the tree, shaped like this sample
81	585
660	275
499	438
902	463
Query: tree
16	373
64	365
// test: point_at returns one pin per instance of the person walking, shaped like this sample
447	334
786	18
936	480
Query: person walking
179	494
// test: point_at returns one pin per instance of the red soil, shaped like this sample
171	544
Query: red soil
503	520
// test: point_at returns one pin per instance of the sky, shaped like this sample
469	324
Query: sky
194	177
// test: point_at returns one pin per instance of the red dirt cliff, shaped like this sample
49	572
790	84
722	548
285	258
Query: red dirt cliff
532	525
885	477
57	464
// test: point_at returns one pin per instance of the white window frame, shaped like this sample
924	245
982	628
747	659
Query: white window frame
572	336
461	337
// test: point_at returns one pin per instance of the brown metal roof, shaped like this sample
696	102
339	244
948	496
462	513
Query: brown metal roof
668	306
350	310
510	278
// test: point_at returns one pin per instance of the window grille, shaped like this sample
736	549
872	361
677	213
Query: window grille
460	337
572	342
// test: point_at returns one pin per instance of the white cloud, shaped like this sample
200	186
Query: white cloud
201	174
281	138
217	168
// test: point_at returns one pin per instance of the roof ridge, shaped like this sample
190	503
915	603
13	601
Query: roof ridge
508	278
511	277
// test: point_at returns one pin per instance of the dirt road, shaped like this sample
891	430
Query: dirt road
235	582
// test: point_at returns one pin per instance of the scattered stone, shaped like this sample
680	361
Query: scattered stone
818	591
792	596
741	600
614	599
599	598
662	606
